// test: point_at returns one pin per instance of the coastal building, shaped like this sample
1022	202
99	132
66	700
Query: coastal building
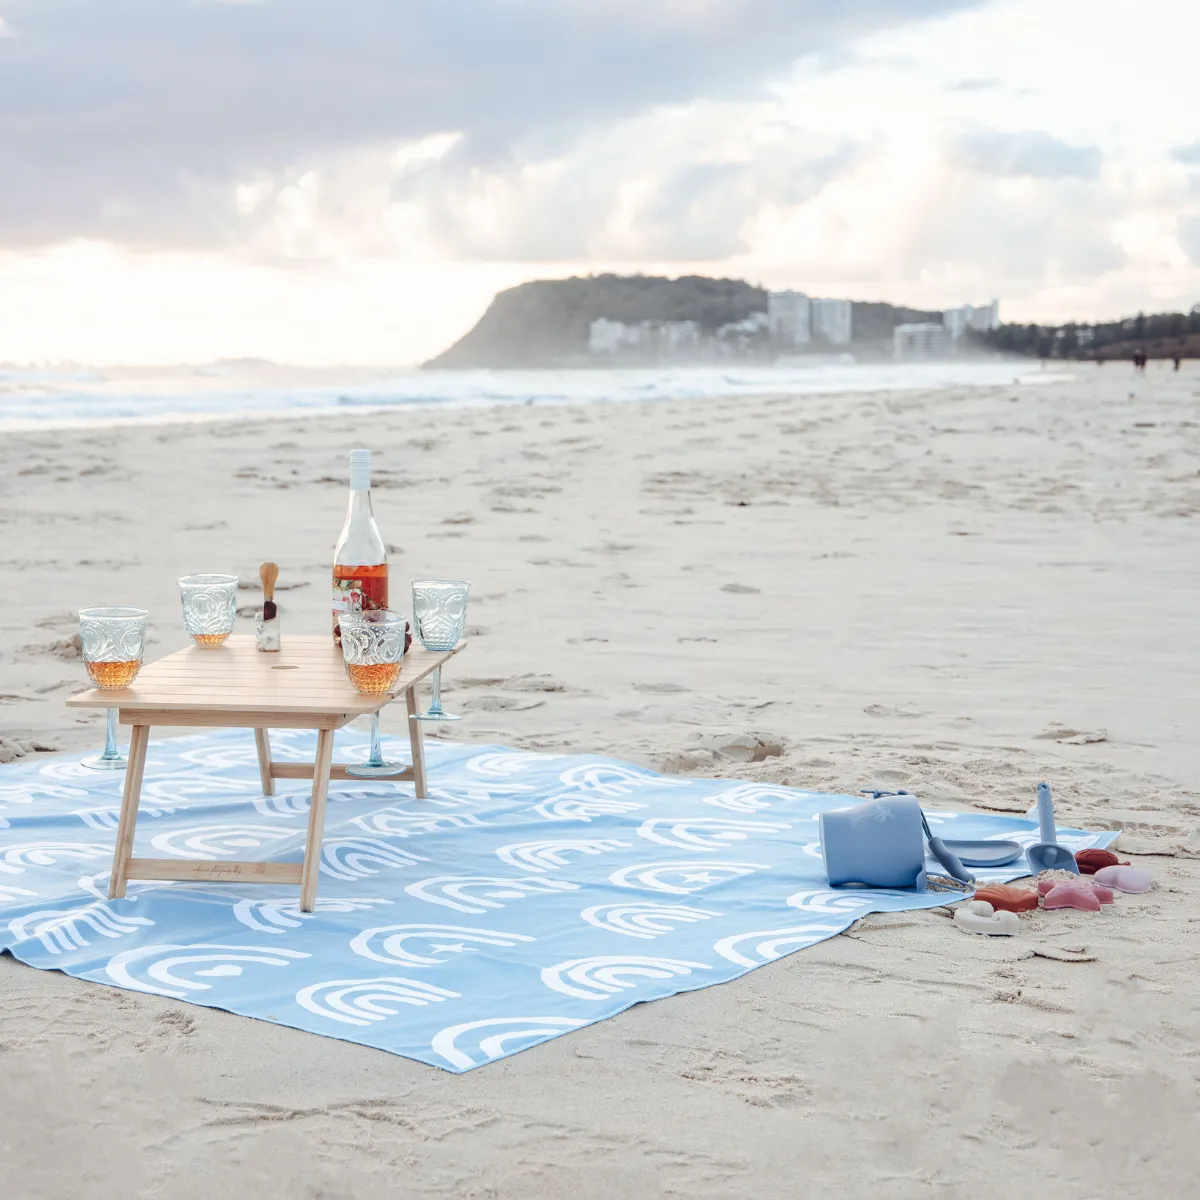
919	339
741	337
981	318
831	321
669	339
789	318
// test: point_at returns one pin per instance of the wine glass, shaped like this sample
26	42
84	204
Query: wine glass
440	615
209	607
113	640
373	650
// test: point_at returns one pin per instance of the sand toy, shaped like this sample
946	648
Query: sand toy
1048	855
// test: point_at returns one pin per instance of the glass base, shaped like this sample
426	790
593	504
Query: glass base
438	715
375	770
103	762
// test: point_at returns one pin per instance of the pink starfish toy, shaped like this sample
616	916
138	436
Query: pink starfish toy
1102	893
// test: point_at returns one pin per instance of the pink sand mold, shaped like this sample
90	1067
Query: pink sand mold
1072	895
1125	879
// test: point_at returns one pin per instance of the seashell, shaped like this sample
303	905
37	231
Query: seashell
1125	879
1091	861
1072	895
1005	898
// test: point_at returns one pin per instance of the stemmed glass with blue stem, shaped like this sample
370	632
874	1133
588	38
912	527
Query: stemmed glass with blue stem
440	618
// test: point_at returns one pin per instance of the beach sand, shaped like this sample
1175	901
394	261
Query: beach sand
961	592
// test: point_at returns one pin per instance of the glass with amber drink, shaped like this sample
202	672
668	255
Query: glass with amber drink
373	650
112	640
209	607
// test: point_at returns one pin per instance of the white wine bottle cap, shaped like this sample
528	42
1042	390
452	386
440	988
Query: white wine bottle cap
360	470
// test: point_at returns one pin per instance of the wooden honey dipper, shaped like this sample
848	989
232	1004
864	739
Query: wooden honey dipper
268	572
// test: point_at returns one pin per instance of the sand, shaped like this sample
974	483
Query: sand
962	592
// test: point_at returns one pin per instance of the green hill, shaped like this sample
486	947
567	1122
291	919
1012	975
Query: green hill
546	322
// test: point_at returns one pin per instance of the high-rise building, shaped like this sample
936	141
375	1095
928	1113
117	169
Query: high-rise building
981	318
831	321
789	318
919	339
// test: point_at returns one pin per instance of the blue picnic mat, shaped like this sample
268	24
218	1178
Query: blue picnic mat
529	895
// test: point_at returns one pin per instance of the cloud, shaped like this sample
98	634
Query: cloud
1034	154
1187	154
1189	238
124	120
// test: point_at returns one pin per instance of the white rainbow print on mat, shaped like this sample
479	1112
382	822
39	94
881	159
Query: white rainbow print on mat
204	959
285	804
8	892
604	975
704	833
439	940
363	1001
644	918
200	786
770	944
356	858
752	797
823	901
688	876
219	841
29	793
547	855
584	808
97	885
465	794
455	891
47	854
507	762
107	818
278	916
615	779
493	1045
399	822
61	930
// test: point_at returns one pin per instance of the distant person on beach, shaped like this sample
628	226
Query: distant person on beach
1176	361
1139	360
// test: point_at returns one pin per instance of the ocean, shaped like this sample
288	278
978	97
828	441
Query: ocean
43	399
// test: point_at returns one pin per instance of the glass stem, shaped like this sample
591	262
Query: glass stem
376	759
436	704
110	738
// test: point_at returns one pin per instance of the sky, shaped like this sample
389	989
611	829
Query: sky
351	183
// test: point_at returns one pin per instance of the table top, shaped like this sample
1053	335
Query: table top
306	676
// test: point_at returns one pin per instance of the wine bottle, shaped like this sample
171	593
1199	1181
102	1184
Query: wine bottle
360	573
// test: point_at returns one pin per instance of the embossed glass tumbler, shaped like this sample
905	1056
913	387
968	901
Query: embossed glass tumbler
373	650
440	615
209	607
113	640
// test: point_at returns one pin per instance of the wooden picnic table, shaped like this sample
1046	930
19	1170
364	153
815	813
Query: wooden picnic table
303	686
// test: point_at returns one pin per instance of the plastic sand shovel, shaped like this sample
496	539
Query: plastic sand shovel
945	856
1048	855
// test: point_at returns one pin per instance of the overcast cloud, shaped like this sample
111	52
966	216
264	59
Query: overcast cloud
352	181
117	118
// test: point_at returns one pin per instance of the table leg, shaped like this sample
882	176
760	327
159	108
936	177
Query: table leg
123	849
316	821
262	741
415	739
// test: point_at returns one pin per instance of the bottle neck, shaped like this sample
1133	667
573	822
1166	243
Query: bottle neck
359	507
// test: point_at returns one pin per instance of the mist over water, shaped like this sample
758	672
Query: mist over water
41	399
